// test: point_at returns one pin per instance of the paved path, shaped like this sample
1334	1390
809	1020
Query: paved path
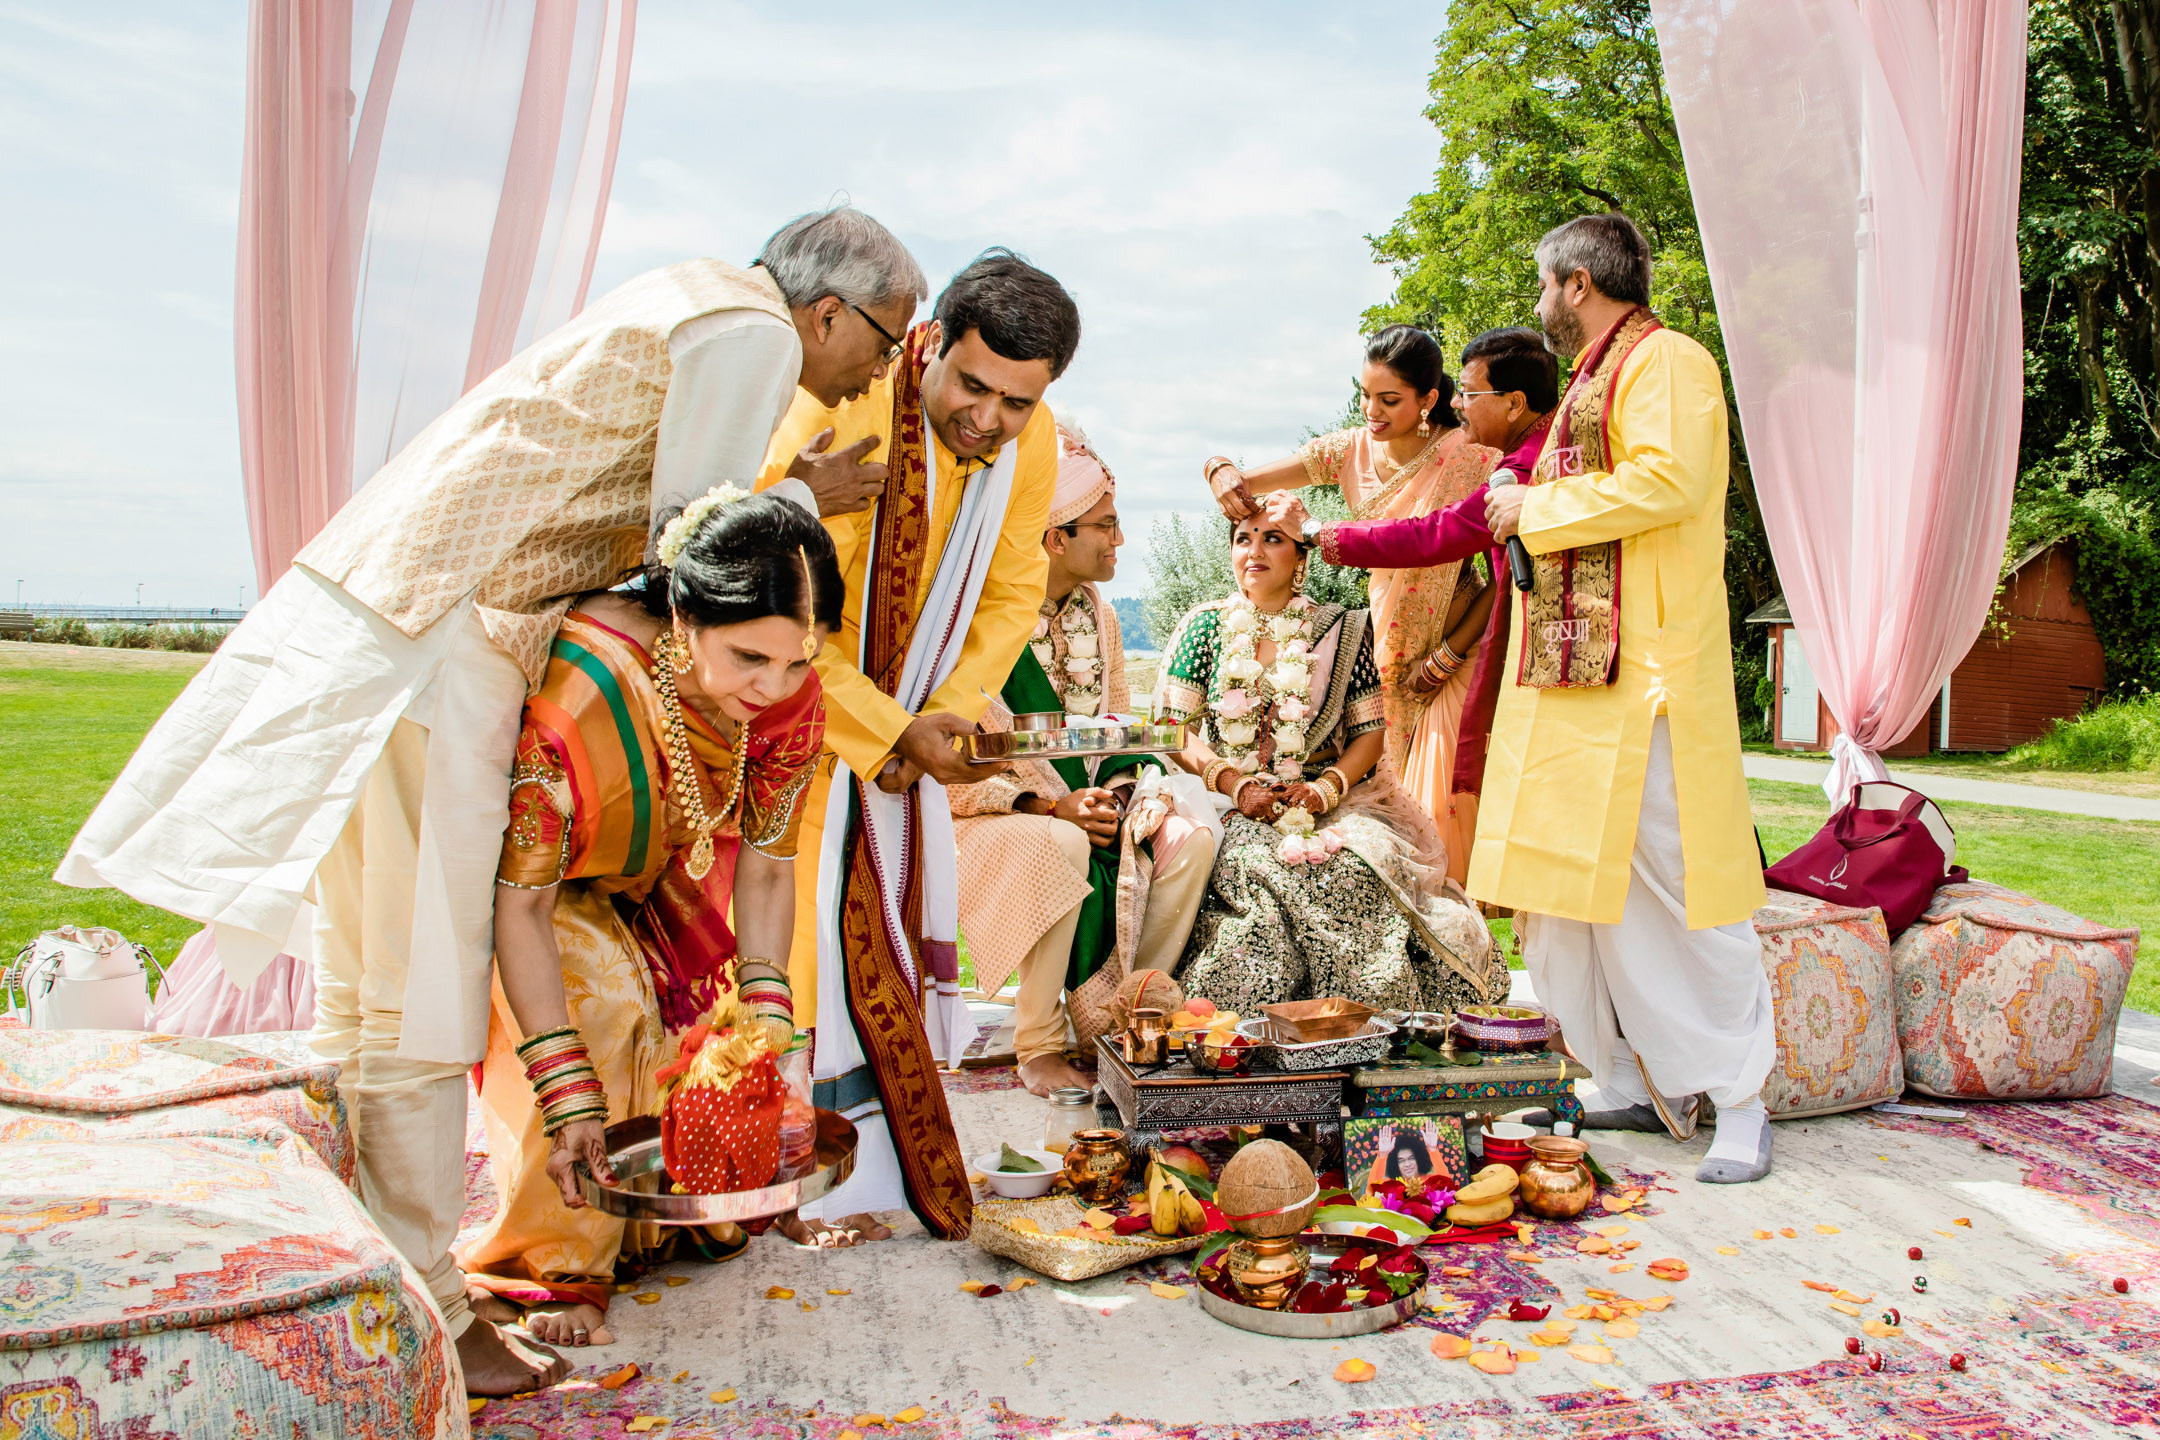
1977	792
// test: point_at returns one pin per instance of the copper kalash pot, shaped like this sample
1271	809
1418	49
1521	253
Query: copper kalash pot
1556	1184
1097	1165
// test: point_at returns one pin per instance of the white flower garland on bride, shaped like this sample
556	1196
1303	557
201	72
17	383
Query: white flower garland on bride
1079	687
1290	678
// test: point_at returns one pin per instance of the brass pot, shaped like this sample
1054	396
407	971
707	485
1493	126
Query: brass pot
1097	1164
1147	1037
1556	1184
1267	1272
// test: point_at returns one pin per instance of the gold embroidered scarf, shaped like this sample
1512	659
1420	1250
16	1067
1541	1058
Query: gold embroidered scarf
1571	617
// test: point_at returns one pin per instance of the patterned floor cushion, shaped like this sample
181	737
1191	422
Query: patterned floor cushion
1830	987
132	1082
2004	997
208	1285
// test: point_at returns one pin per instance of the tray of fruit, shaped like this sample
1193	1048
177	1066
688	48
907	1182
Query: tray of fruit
643	1191
1352	1287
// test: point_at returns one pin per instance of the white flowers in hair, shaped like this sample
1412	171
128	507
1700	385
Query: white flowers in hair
676	535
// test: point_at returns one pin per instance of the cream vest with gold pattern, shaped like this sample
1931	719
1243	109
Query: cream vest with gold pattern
535	486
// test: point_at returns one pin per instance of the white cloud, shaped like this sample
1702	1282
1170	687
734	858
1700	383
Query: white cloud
1201	175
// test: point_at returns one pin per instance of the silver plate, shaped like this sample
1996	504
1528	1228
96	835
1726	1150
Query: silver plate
1363	1321
1162	737
641	1189
1274	1053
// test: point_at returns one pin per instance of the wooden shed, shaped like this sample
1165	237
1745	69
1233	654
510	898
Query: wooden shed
2037	660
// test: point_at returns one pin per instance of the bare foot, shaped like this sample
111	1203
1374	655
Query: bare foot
831	1235
491	1307
562	1323
498	1364
1045	1073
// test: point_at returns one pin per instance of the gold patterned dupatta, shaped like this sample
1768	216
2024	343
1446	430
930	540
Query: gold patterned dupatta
1409	607
1571	616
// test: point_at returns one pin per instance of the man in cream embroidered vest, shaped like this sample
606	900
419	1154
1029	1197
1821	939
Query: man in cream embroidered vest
1072	874
1615	811
351	742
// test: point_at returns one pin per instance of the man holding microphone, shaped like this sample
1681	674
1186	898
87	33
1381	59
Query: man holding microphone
1615	812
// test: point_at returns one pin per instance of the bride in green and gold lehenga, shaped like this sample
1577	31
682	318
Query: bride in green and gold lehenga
1331	880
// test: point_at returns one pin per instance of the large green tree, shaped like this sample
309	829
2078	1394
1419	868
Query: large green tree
1549	109
2089	245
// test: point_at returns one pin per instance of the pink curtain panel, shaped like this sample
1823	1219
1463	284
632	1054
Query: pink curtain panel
1855	172
421	195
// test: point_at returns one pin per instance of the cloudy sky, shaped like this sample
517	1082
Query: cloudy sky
1200	175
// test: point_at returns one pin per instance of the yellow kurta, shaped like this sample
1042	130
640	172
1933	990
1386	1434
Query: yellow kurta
1564	775
862	721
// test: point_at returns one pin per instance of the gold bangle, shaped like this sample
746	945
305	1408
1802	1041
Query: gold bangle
1342	780
1211	777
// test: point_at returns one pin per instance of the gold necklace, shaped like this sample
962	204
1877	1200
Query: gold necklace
688	794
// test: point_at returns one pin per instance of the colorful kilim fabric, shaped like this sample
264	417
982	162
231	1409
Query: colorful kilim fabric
109	1072
171	1285
1835	1004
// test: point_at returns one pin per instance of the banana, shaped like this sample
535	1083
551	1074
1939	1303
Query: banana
1494	1182
1193	1219
1481	1212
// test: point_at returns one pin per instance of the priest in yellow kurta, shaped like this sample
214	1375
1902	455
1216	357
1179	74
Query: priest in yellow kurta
1615	814
944	576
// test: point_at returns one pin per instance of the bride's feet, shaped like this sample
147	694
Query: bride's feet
564	1323
831	1235
499	1364
1050	1072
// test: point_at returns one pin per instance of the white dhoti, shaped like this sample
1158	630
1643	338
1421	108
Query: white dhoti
1691	1006
323	747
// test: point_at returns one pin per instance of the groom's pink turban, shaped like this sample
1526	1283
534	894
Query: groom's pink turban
1082	480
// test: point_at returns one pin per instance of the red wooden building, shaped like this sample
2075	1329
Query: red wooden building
2037	660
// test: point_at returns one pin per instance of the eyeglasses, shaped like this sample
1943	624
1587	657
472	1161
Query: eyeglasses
1111	525
1467	394
893	345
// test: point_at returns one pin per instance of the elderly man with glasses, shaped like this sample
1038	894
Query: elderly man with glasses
1072	877
352	740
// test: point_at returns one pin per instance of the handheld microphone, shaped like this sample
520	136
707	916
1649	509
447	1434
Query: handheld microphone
1518	557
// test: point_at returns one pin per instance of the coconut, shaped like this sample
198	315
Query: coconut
1267	1175
1144	990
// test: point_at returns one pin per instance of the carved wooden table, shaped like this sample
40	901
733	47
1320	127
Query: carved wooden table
1494	1086
1153	1101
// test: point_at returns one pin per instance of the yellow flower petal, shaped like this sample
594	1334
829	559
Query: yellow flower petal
673	1280
1611	1232
680	1376
1591	1354
1021	1284
971	1286
646	1297
1827	1230
642	1423
1166	1292
779	1292
839	1292
867	1419
721	1397
1728	1249
474	1405
1622	1330
910	1415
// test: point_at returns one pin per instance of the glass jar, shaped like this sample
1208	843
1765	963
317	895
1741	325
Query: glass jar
798	1112
1071	1110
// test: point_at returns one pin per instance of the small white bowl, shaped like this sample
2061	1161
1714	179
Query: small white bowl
1022	1186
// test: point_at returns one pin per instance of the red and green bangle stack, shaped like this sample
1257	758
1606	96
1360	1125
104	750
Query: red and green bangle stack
565	1084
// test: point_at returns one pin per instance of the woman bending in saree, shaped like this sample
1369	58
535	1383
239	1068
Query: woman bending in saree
1410	458
659	779
1284	718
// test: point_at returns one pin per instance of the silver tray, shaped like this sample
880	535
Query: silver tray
1362	1321
1160	737
1274	1053
642	1183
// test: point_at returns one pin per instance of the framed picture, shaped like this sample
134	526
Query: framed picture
1404	1147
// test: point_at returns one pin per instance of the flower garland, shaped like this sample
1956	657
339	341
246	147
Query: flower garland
1290	678
1078	680
676	535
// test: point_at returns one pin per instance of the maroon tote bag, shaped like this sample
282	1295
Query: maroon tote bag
1887	846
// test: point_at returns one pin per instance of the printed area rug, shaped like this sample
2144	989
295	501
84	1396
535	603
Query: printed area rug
2024	1216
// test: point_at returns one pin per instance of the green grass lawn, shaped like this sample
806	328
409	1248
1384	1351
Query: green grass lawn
69	718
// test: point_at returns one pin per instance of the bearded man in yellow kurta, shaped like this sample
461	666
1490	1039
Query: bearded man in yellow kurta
1615	810
944	576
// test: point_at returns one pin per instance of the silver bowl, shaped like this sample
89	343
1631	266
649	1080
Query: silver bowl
641	1188
1282	1323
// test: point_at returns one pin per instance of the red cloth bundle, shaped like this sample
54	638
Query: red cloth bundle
720	1128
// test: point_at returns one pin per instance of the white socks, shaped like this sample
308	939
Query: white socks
1739	1132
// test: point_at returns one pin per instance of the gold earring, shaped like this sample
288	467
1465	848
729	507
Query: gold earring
1297	576
1424	426
681	658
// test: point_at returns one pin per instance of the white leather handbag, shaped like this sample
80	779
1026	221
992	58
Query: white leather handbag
88	978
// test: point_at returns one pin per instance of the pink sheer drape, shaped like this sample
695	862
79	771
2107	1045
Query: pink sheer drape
1855	173
422	194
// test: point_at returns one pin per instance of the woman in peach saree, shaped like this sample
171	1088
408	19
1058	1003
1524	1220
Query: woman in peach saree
1410	458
